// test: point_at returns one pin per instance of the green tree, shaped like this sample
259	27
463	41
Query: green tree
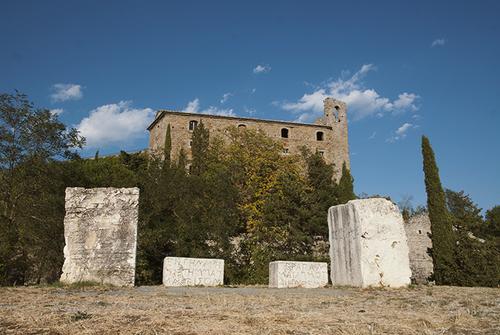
322	195
346	186
167	148
464	212
31	141
477	261
491	229
199	149
443	239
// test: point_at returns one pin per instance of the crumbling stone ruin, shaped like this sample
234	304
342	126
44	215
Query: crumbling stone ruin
418	229
100	231
183	271
285	274
368	245
328	135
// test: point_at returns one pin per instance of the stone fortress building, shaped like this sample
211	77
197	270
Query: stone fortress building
328	135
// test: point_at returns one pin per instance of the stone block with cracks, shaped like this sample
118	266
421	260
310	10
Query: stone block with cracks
368	245
100	231
183	271
285	274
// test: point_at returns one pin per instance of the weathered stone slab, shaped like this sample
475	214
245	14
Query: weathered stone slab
283	274
182	271
100	231
417	230
368	245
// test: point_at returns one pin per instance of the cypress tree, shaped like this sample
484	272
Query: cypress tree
182	160
167	148
323	193
443	239
199	148
346	186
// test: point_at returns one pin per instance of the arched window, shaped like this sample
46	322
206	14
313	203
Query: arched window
320	136
336	113
284	132
192	124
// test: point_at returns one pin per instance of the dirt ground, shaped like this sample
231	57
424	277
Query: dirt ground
249	310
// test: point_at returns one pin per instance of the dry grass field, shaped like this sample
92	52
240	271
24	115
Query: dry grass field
249	310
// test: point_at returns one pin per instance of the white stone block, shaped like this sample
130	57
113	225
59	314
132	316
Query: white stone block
368	245
182	271
284	274
100	231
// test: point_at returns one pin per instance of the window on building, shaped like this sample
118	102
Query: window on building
321	153
336	113
285	151
320	136
284	132
420	232
192	124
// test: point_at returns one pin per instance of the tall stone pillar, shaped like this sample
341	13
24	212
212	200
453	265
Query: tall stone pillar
100	231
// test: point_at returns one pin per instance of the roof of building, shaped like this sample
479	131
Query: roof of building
161	113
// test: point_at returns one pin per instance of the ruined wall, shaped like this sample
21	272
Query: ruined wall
368	245
285	274
334	127
417	230
183	271
100	231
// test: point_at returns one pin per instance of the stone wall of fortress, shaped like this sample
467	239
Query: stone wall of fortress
333	125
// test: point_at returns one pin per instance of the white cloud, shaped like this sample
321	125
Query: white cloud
261	69
225	97
361	101
57	111
438	42
114	123
64	92
194	107
401	132
372	136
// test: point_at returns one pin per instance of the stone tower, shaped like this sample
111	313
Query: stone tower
335	116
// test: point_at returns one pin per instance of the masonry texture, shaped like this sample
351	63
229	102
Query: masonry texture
368	245
100	231
328	134
182	271
418	229
284	274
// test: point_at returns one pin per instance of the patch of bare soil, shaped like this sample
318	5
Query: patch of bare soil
249	310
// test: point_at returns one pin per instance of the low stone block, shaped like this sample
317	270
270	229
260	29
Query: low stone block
100	231
283	274
368	245
182	271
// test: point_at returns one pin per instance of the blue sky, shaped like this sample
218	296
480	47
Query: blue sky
405	68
